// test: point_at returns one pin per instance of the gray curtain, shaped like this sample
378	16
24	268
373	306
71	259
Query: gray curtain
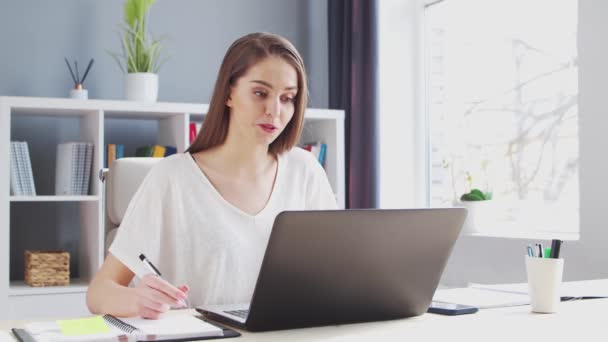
353	70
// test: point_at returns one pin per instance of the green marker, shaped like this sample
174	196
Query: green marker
547	252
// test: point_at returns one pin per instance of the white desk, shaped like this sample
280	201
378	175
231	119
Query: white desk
575	320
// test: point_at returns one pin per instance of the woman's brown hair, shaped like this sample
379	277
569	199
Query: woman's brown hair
242	54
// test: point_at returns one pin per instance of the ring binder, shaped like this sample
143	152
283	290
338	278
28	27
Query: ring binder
120	324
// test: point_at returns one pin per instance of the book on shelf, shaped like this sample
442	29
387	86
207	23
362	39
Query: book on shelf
194	130
73	168
113	152
318	149
22	177
157	151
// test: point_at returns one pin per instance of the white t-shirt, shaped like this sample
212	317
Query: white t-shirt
195	237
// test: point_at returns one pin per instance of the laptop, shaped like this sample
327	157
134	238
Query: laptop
346	266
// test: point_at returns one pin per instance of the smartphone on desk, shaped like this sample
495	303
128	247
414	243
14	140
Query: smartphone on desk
451	309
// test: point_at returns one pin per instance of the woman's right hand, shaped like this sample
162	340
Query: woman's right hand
155	296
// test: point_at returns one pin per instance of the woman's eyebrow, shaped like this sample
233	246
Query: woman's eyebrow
270	85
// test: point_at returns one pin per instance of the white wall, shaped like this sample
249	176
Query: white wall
401	147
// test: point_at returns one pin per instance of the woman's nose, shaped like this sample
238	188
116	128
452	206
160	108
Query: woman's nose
273	107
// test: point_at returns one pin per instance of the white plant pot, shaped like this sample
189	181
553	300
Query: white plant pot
141	86
480	215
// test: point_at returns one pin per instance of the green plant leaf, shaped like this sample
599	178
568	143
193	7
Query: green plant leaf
139	52
131	11
478	193
471	197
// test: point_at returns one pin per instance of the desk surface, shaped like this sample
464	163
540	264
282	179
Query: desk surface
574	320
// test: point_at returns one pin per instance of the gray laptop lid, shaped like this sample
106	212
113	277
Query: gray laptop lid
334	267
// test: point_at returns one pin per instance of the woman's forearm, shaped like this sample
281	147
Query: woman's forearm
106	296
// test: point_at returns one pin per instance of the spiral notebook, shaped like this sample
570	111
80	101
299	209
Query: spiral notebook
175	327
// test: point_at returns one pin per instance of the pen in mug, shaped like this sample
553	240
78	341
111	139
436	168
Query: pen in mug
155	270
540	249
555	248
530	251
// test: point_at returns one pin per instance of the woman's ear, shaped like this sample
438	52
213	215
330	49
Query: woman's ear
229	102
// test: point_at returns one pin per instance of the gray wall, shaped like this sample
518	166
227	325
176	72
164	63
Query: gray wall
35	35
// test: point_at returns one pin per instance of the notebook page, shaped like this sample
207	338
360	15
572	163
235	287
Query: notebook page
49	331
480	298
174	326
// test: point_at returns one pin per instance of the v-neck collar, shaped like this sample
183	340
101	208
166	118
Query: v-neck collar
216	193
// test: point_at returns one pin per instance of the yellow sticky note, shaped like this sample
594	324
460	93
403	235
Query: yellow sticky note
83	326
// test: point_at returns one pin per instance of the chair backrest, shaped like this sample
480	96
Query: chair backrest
121	182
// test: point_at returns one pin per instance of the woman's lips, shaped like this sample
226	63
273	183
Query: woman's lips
268	128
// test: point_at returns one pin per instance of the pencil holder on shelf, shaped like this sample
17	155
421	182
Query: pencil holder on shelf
47	268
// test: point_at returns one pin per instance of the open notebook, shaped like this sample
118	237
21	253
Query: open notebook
109	328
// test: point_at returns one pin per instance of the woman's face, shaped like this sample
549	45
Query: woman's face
262	102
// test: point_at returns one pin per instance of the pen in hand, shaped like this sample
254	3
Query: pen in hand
156	272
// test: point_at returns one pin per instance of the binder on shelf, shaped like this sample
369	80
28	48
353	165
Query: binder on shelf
29	175
16	188
22	177
88	162
73	168
82	151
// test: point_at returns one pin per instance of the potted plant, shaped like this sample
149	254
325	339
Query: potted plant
140	53
479	208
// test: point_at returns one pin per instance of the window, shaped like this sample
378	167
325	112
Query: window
501	97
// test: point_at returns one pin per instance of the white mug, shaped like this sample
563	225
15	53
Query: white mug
544	280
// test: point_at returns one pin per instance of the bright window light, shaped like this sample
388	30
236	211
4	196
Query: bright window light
502	109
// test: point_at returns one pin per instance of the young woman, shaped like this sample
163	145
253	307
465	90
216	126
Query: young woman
204	217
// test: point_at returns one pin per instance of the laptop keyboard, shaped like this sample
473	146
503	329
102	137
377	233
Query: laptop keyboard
238	313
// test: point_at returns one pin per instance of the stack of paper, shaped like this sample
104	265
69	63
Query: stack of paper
481	298
486	296
73	168
22	177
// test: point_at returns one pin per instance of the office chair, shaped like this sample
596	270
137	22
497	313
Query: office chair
121	180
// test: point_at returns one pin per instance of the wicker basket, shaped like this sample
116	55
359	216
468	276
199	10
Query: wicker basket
47	268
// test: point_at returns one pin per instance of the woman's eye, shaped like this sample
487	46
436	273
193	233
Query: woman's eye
259	93
287	99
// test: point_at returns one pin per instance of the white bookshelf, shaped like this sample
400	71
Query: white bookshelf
52	198
55	222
